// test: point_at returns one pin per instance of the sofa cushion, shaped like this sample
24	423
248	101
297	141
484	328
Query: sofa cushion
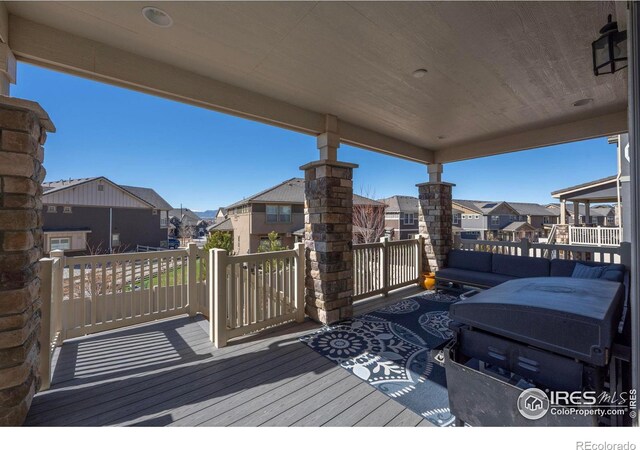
564	268
520	266
472	277
590	272
477	261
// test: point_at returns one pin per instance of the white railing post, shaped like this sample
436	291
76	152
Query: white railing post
192	287
384	263
218	297
57	293
599	233
419	268
46	268
299	281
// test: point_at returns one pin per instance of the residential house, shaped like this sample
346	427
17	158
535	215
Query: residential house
599	215
477	219
184	217
96	215
279	208
401	216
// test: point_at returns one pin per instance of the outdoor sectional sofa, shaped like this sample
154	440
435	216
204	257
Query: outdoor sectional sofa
485	270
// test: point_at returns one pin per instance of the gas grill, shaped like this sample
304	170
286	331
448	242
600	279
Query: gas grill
551	333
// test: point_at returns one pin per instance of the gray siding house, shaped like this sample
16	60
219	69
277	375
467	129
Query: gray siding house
477	219
95	215
401	216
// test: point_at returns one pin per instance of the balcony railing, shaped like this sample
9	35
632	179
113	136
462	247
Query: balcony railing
382	266
253	292
595	236
619	254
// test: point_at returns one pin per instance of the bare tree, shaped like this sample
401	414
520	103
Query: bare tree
368	218
185	230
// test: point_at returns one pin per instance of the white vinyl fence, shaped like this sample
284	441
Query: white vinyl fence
595	236
382	266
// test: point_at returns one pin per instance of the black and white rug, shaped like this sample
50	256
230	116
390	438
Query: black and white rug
389	349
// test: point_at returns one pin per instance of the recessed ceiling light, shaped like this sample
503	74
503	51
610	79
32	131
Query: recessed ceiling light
441	137
582	102
157	16
419	73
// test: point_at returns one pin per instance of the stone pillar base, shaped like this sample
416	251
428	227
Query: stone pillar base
328	234
23	127
435	223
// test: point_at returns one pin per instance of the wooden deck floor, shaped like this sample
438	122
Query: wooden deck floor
167	373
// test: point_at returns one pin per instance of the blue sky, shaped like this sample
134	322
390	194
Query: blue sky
203	159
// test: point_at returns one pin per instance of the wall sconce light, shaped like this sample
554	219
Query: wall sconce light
610	49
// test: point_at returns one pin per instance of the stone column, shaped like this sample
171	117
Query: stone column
328	233
435	219
23	127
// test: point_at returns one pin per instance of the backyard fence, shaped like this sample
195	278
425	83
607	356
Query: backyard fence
382	266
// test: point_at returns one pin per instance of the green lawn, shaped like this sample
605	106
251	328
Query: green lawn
168	279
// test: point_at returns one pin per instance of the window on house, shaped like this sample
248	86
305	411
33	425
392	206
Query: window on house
67	209
456	219
60	243
100	187
115	239
546	219
155	212
408	219
611	220
495	220
52	209
278	213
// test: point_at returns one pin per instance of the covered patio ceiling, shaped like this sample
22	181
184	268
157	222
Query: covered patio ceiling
501	76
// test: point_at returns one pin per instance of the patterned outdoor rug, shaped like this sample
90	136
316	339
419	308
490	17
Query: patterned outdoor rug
389	349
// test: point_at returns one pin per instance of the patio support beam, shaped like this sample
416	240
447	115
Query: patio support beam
604	125
435	219
576	214
23	128
563	212
56	49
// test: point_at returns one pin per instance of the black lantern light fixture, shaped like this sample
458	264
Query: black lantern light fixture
610	49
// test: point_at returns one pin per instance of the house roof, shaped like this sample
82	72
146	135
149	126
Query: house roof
516	226
532	209
191	217
291	191
53	186
50	187
599	211
401	203
149	196
225	225
482	206
587	185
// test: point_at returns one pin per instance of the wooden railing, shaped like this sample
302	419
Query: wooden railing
255	291
382	266
618	254
595	236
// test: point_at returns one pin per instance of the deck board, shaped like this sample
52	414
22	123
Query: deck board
168	373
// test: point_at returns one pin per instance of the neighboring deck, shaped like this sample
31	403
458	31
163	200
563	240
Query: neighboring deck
168	373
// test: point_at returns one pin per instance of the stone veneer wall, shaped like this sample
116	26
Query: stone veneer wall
435	223
22	133
328	235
